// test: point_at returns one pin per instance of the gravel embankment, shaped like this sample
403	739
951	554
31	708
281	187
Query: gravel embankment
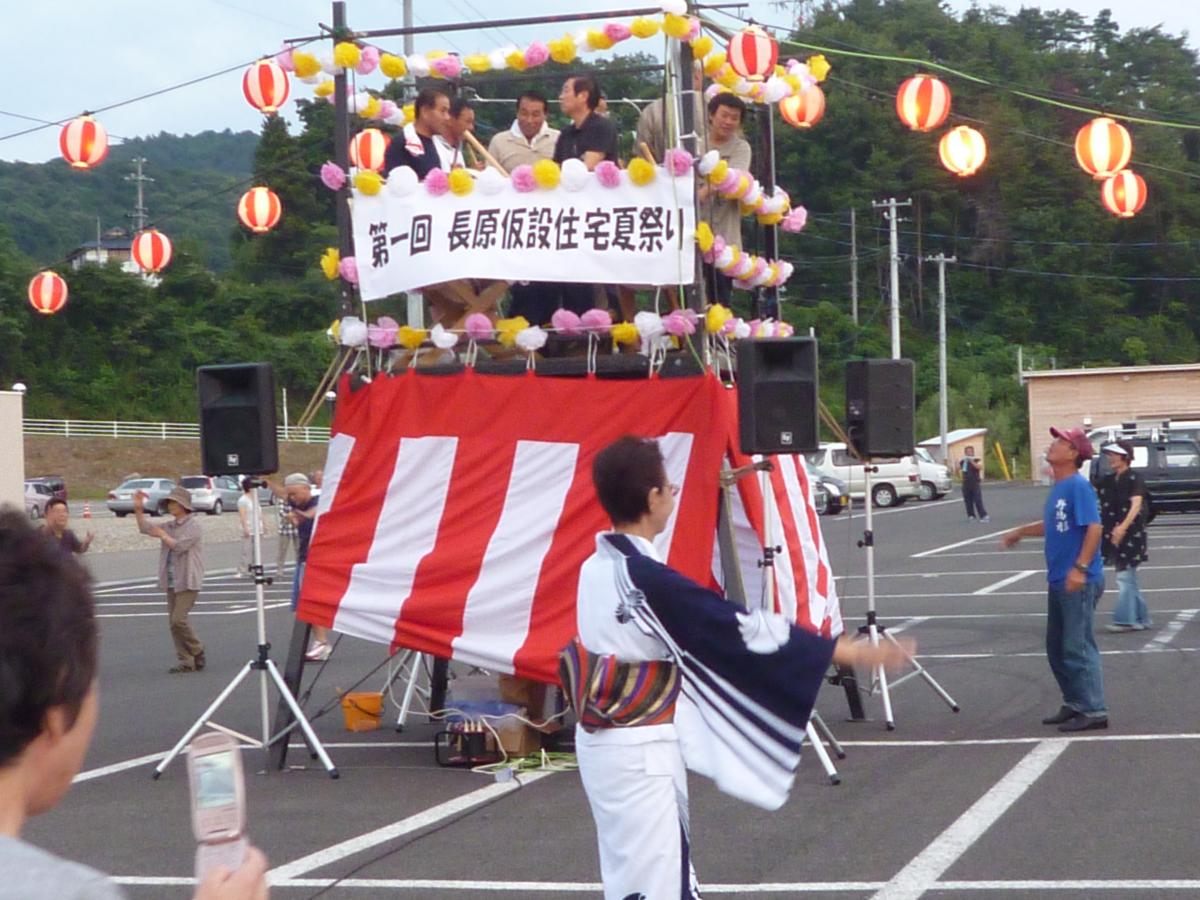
114	534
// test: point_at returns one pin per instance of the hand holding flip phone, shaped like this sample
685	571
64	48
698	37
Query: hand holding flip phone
218	791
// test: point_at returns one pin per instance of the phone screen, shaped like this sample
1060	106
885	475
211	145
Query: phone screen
215	780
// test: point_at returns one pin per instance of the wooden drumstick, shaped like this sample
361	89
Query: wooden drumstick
482	151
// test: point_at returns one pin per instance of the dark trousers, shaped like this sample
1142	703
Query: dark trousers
718	284
973	499
538	300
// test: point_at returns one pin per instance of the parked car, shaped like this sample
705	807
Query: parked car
37	495
120	498
935	477
56	484
833	495
1170	469
895	481
212	494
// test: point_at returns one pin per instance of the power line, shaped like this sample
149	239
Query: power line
1022	271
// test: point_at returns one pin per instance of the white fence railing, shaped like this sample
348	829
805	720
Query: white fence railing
163	431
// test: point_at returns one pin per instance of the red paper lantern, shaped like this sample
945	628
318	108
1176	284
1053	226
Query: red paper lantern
805	109
367	149
752	53
151	250
923	103
1103	148
962	150
47	292
259	209
265	86
83	142
1124	194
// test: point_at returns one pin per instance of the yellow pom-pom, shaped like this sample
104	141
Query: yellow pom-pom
625	333
346	54
713	63
641	27
780	71
436	54
704	237
515	60
478	62
675	26
702	46
727	77
390	65
716	317
770	219
371	110
598	40
330	260
547	174
734	258
324	88
411	338
819	66
743	185
368	182
410	113
563	51
794	82
720	170
508	329
305	64
461	182
641	171
335	330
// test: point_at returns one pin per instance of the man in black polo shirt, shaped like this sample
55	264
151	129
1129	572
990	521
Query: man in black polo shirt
590	136
414	147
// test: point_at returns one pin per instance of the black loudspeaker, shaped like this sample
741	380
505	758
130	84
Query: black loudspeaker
237	419
777	395
879	406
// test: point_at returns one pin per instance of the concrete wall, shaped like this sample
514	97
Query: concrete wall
1108	397
12	450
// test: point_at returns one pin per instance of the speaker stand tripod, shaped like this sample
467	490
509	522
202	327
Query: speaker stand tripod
873	631
265	666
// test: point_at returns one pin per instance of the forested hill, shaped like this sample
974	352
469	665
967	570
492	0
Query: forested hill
50	209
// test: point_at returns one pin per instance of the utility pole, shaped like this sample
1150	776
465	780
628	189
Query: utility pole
890	205
408	23
853	266
139	212
341	156
941	260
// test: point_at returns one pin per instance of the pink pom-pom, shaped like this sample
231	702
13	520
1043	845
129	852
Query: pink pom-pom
730	182
714	251
679	162
387	109
755	325
693	29
284	58
677	324
348	268
596	321
523	180
333	176
383	333
478	326
437	182
537	54
449	66
795	220
565	321
617	32
609	174
368	61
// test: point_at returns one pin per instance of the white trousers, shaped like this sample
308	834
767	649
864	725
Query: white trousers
638	796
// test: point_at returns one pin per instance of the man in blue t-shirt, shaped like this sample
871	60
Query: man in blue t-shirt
1075	575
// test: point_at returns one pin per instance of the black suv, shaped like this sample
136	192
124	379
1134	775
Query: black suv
1170	467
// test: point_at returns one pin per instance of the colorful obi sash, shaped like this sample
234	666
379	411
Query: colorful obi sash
605	693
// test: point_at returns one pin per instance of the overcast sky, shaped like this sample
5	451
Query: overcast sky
80	54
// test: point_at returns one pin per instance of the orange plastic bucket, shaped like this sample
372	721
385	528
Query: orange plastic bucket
362	710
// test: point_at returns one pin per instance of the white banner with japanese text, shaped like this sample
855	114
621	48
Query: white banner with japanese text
628	234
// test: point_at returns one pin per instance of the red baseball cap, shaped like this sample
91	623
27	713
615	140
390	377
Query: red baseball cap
1077	439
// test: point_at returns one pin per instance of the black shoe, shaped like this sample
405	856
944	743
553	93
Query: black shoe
181	669
200	660
1064	714
1080	722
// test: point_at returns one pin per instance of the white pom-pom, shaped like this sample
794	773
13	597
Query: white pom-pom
741	329
581	41
775	90
490	182
531	339
708	162
418	66
442	338
498	59
675	7
353	332
402	181
575	174
313	79
327	64
649	325
724	259
397	118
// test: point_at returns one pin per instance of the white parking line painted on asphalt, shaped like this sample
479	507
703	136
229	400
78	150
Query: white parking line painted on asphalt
118	767
407	825
982	537
906	624
200	612
1041	654
1004	582
1123	884
1171	629
922	873
903	509
997	742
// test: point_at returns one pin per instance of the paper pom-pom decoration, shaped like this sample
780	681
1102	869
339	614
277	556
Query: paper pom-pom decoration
641	171
678	324
643	28
333	176
508	329
410	113
368	61
324	88
714	63
437	182
598	40
649	325
284	58
348	269
565	321
346	55
563	51
719	172
402	181
449	67
477	63
461	182
419	66
411	338
536	54
382	333
678	161
795	220
441	338
514	59
704	236
371	109
393	66
617	32
574	174
716	317
387	109
595	321
478	327
305	64
531	339
328	65
676	26
819	67
708	162
352	332
547	174
702	46
490	182
609	173
329	262
625	333
368	182
523	180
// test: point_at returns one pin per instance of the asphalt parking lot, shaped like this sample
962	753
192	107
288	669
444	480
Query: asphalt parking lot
983	803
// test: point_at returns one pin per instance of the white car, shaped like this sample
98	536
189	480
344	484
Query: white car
935	477
896	479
